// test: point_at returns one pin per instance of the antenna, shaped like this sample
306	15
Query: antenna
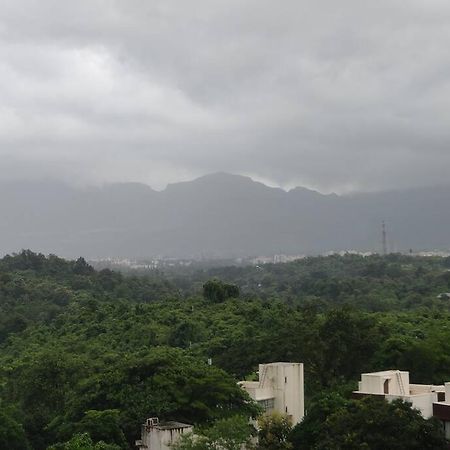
383	232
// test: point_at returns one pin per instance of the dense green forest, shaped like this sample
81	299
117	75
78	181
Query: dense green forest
89	355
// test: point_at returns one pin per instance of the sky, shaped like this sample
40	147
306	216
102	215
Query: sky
337	96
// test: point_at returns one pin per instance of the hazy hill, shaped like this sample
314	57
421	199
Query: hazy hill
218	215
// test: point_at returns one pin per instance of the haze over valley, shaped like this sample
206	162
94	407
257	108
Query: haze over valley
216	216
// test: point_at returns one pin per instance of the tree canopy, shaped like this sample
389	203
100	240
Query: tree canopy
89	355
371	423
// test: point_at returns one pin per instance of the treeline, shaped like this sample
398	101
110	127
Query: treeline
35	288
96	353
373	283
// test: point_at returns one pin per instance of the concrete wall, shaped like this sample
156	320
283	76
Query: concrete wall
290	393
447	430
164	439
421	396
160	437
282	382
422	402
374	383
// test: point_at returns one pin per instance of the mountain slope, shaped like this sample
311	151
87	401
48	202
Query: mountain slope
218	215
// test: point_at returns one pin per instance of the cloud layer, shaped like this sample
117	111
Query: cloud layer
339	96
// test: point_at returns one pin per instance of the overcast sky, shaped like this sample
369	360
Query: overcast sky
335	95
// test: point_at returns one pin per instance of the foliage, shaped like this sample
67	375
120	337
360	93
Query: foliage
274	430
192	441
309	431
101	426
370	423
371	283
216	291
98	352
12	434
161	381
376	424
225	434
83	442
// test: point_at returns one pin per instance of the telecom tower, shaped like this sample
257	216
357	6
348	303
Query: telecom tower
384	239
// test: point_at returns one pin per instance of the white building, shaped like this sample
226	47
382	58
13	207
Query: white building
161	436
280	389
394	384
441	410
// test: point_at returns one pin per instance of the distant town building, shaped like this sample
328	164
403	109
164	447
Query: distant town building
161	436
430	400
280	389
274	259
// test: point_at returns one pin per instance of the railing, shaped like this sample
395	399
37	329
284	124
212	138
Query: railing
400	383
262	377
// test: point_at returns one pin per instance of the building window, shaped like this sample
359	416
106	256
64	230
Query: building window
285	379
267	404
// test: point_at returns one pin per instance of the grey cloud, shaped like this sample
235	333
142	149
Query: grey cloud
337	96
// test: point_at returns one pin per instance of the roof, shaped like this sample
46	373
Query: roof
172	425
385	373
264	397
282	364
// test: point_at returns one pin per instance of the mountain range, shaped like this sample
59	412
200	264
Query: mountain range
215	216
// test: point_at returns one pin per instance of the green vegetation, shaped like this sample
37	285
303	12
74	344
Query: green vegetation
370	423
373	284
12	434
83	442
217	291
225	434
87	356
274	432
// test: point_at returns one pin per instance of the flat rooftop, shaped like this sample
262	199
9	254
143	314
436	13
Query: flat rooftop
385	373
282	364
172	425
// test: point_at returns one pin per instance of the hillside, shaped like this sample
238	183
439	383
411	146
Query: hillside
218	215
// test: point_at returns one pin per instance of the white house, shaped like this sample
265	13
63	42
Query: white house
441	410
429	399
161	436
280	389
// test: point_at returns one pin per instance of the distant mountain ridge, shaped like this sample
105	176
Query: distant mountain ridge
218	215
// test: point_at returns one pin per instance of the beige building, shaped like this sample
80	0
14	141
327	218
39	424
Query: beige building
161	436
441	410
394	384
280	389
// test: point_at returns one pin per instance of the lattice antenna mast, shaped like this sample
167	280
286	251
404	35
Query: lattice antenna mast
384	237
